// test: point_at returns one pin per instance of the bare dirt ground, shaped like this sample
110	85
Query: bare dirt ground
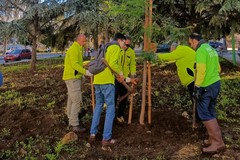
170	135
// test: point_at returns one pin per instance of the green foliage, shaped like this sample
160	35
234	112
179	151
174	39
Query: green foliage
161	156
131	15
221	14
149	56
228	99
172	33
6	154
27	150
51	105
55	155
5	133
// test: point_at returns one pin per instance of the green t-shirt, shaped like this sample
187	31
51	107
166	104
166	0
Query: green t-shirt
207	58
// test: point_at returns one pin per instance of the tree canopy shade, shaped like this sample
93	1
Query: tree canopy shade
213	19
128	17
84	16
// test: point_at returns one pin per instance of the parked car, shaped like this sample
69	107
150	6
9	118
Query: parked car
215	45
12	47
163	48
18	54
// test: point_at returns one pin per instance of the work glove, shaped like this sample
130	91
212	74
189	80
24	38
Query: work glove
197	93
132	80
88	73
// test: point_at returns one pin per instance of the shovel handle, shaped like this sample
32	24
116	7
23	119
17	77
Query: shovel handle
117	75
130	108
194	113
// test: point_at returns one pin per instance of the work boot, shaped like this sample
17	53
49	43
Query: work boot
78	129
214	132
92	138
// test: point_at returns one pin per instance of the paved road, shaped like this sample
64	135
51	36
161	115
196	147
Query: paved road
228	56
39	56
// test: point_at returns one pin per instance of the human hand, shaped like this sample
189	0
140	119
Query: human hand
120	78
132	80
197	92
88	73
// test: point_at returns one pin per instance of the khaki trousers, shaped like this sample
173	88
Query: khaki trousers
74	101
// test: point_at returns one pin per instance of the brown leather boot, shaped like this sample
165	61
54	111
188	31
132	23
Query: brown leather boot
214	132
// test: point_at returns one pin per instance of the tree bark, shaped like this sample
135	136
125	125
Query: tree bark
95	39
4	46
34	54
36	32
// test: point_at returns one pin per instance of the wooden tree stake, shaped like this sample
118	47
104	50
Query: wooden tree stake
149	94
130	107
92	89
141	119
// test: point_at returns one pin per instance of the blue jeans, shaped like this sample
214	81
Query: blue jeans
206	105
104	93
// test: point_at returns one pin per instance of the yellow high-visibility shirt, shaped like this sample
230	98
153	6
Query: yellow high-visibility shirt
184	57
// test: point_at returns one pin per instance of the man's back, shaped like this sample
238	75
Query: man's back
184	57
106	76
207	58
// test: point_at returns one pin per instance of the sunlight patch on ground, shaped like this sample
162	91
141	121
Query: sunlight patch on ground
187	151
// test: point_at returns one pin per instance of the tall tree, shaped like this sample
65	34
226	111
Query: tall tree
7	14
36	16
86	16
128	17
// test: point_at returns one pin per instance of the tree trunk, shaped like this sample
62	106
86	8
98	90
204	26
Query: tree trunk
35	41
146	24
95	39
34	54
4	46
107	35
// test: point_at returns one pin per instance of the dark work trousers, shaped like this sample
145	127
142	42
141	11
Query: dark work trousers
120	91
207	101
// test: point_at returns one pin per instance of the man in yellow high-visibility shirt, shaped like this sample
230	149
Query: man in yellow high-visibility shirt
184	58
105	92
72	75
127	63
